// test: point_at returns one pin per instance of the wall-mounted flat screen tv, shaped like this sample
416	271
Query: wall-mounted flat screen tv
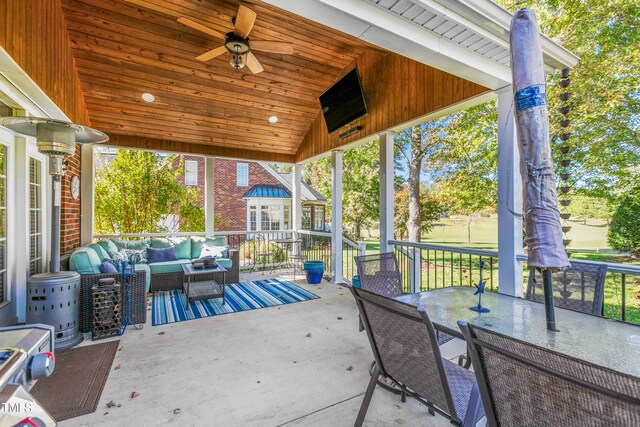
343	102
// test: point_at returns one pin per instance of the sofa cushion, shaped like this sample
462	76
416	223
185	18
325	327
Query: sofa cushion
225	263
102	254
146	269
159	243
182	245
197	242
161	254
85	260
168	266
130	244
108	246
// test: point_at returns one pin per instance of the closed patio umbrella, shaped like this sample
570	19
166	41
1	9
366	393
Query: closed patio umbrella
541	215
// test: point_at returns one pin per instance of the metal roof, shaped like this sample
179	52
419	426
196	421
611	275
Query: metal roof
267	191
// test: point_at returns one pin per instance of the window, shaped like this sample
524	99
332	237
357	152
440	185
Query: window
3	221
285	223
190	172
306	217
270	218
35	217
319	218
243	174
253	224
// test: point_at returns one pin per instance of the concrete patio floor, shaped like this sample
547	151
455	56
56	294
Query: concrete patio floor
253	368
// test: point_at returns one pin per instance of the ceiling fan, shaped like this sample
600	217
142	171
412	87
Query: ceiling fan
236	43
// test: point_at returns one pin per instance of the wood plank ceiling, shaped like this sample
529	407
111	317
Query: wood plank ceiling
125	48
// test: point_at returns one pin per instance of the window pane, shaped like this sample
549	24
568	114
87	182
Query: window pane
190	172
242	171
319	217
35	217
306	217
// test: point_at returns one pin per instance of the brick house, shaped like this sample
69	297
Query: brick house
253	195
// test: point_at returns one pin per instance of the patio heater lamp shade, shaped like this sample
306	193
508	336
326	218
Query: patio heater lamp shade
541	216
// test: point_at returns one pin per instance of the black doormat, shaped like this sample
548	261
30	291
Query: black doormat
77	381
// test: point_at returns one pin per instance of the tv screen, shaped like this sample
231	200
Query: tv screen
343	102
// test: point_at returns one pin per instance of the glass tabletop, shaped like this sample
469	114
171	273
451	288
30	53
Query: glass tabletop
605	342
189	270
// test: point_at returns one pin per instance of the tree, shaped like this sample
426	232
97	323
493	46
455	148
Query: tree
430	211
414	145
624	232
138	190
360	185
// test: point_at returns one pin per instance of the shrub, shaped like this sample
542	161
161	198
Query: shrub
624	233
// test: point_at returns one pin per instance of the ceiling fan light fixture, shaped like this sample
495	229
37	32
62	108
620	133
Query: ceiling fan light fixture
148	97
237	49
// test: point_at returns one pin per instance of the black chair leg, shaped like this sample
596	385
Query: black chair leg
367	398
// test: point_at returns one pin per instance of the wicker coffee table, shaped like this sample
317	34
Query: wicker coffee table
204	289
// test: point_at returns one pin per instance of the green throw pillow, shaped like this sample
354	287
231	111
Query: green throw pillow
102	254
130	244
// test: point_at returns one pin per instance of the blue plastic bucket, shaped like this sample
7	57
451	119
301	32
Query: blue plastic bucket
314	271
356	281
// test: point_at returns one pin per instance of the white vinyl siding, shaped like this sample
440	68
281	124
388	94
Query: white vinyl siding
190	172
242	170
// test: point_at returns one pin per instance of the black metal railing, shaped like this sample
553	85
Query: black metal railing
427	266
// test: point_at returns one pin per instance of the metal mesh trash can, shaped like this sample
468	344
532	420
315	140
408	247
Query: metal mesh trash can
54	299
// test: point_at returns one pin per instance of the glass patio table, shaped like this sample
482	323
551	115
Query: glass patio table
605	342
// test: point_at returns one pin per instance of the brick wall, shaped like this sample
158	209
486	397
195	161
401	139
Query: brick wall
230	207
70	212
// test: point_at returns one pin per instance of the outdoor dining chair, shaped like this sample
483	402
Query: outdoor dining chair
403	341
380	273
578	288
522	384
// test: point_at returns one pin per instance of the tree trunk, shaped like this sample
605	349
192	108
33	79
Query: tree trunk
358	230
469	229
413	182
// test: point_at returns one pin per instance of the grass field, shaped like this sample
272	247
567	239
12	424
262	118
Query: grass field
589	242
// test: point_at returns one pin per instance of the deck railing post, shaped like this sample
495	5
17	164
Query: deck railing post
362	248
414	273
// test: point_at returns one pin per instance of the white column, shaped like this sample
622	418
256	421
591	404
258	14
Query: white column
386	190
209	190
336	215
509	198
87	175
296	199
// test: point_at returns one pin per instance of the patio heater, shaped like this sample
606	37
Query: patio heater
53	298
541	216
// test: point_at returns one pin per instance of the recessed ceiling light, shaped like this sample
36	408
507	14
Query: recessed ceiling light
273	119
148	97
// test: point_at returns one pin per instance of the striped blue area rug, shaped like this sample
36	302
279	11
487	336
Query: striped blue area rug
168	307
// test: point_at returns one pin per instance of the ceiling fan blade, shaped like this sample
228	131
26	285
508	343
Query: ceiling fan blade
253	64
189	23
212	53
244	21
272	46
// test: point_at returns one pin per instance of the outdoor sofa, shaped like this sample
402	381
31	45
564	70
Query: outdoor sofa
149	277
